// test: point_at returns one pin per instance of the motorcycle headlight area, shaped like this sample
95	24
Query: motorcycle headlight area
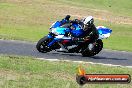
54	31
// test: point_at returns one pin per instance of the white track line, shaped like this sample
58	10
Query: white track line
84	62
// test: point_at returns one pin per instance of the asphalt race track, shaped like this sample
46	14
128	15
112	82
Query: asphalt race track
12	47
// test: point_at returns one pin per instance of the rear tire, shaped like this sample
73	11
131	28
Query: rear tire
97	48
42	45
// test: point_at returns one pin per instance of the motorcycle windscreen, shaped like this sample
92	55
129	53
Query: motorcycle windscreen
60	31
104	32
56	24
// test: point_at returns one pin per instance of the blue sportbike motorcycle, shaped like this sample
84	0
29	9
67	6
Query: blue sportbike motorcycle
57	38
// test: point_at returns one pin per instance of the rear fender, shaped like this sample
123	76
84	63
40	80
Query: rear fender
104	32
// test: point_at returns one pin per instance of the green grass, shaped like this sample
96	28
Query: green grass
26	72
29	20
23	32
23	22
122	7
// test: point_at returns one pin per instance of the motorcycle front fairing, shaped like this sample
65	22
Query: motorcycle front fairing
56	24
57	29
59	32
53	26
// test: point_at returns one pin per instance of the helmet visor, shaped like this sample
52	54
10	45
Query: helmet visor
85	27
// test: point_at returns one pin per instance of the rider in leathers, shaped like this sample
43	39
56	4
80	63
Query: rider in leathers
87	29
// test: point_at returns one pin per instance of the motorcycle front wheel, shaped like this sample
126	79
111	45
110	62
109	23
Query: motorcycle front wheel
42	45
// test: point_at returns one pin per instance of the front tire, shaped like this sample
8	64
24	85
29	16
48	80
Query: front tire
96	49
42	45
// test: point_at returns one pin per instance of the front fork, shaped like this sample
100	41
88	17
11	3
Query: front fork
54	39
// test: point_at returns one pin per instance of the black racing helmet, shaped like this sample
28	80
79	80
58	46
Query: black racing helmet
88	21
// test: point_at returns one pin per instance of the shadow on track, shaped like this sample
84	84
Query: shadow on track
77	56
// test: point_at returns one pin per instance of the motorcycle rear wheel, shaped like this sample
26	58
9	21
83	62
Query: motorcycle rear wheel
97	48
